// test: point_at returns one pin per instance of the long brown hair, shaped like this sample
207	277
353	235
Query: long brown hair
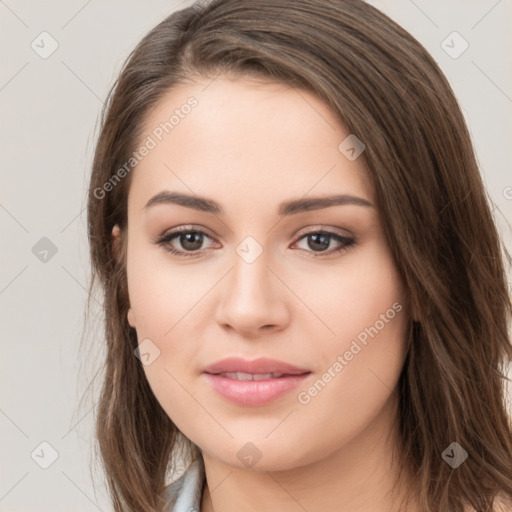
388	91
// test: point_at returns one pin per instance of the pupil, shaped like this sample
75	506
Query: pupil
191	238
322	239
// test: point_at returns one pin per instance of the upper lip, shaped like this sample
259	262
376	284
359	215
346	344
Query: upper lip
261	365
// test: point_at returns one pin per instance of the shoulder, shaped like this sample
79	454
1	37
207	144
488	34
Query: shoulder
184	494
502	503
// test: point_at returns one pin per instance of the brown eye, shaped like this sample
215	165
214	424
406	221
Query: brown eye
189	242
319	241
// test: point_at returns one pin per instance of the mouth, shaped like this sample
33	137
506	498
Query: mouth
254	383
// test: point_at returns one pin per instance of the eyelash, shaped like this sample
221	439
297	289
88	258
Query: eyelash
165	239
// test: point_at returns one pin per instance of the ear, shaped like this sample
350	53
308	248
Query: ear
131	317
116	241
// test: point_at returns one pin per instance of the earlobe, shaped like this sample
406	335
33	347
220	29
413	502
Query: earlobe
115	242
131	317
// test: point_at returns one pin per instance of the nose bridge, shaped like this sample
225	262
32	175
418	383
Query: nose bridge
252	298
250	278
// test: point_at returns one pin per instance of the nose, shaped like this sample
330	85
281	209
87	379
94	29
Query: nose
254	299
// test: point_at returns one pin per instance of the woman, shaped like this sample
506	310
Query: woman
305	300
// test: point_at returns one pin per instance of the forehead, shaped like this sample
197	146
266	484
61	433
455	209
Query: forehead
239	139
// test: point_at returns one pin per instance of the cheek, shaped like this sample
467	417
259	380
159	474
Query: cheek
361	363
160	294
166	303
364	291
364	341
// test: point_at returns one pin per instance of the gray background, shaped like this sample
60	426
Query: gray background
49	112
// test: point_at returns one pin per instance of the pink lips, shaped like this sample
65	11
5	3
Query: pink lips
253	392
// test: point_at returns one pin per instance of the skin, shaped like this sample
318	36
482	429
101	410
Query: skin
249	145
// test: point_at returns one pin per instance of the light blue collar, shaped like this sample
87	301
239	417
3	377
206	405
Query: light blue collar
185	494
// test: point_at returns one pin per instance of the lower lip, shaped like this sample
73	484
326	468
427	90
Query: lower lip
254	392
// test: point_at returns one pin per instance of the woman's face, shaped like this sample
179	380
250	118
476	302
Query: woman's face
275	271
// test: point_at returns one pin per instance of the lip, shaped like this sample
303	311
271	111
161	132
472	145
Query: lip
260	365
254	392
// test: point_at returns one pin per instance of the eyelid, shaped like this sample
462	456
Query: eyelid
323	227
201	229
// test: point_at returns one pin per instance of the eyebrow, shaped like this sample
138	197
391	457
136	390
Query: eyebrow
286	208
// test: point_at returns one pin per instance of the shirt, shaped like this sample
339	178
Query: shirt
185	494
